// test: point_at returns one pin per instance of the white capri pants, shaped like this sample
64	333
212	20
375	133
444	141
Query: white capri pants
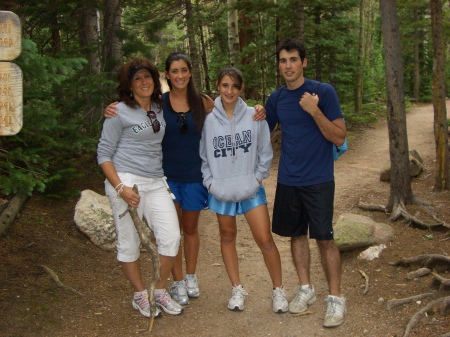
156	206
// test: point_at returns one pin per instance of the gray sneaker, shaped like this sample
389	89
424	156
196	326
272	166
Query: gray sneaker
336	311
165	302
192	285
178	291
303	298
237	299
279	301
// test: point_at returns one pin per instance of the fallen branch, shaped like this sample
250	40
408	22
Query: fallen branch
9	214
58	282
304	313
395	303
371	207
149	242
366	289
415	319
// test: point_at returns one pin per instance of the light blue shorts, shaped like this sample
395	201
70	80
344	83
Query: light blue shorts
192	196
233	208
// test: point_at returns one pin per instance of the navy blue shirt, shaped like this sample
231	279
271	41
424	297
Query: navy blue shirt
181	158
306	155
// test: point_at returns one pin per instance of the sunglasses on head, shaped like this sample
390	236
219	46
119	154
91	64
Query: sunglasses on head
182	124
156	125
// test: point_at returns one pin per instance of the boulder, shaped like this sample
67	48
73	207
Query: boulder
93	217
352	231
415	166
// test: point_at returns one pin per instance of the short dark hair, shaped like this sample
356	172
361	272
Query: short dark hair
292	44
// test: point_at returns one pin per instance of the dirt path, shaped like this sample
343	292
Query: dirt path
32	305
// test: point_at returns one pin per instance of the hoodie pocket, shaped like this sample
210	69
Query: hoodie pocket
234	188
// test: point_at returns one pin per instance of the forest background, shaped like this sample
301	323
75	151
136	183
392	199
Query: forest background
71	49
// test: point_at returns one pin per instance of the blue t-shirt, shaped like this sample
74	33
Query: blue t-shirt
181	158
306	155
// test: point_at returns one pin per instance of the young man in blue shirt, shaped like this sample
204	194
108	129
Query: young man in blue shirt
311	124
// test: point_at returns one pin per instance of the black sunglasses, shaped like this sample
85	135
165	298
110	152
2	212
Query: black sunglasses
156	125
182	124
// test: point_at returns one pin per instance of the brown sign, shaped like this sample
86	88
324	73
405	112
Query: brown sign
10	36
11	104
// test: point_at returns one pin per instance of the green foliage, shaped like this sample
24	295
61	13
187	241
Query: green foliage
370	113
35	159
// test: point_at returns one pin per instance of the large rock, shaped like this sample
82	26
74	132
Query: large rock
93	217
353	231
415	166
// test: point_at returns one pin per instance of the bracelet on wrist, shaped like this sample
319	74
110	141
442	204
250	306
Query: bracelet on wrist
119	192
119	184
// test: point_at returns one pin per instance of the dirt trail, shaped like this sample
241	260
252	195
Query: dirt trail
32	305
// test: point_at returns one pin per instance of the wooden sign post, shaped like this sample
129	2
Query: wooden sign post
11	79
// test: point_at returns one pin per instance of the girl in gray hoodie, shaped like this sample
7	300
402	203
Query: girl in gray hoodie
236	156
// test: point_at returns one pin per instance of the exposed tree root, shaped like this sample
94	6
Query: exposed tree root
397	302
149	242
400	211
442	281
364	275
418	273
415	319
58	282
430	261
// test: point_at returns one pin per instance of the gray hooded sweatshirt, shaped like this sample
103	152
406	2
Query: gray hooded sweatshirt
235	153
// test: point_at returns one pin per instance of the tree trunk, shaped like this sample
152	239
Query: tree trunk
56	36
204	61
360	65
89	37
277	41
317	49
416	42
400	186
440	112
112	48
193	52
246	37
233	35
300	20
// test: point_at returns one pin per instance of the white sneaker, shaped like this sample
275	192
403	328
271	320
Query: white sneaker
279	301
336	311
237	299
165	302
192	285
179	293
303	297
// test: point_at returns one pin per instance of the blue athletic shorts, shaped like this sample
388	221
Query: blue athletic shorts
192	196
232	208
297	209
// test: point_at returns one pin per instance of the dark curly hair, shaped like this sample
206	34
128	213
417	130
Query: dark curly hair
125	74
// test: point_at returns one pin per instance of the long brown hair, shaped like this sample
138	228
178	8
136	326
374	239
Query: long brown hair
125	75
194	98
